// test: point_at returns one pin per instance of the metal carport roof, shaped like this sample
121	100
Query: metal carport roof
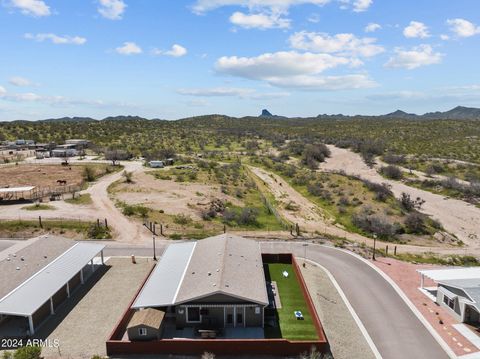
29	296
451	273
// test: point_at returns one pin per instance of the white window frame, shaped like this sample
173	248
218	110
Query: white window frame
199	315
142	332
257	310
449	301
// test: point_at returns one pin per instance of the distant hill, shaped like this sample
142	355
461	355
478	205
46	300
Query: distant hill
400	114
457	113
266	113
70	119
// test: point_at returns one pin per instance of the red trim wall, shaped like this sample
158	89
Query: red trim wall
281	347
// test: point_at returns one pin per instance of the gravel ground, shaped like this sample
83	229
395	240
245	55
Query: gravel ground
346	340
90	316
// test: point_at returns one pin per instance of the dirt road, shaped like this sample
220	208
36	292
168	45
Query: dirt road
458	217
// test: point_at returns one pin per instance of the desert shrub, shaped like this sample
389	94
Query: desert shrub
409	204
382	191
243	217
128	176
415	223
313	154
374	224
392	172
89	173
393	159
182	219
28	352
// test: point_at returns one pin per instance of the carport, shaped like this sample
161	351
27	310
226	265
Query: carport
51	285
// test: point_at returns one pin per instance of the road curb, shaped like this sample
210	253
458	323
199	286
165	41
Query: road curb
360	325
407	301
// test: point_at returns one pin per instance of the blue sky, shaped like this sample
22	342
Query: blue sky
173	59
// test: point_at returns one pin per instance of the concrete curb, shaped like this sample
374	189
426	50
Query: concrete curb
407	301
360	325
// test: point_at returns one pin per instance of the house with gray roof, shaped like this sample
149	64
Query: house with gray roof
214	283
37	276
458	290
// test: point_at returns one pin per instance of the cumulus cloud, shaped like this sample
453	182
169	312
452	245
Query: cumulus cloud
361	5
56	39
346	44
129	48
293	69
19	81
259	21
175	51
203	6
463	28
418	56
416	29
111	9
35	8
372	27
2	91
244	93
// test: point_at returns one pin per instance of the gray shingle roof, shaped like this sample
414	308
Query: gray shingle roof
224	264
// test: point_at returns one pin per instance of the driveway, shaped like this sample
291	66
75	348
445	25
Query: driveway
395	330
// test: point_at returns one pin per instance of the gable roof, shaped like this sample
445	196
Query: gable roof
224	264
148	317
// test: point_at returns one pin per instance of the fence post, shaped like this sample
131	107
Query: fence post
395	251
297	229
106	223
98	222
40	221
161	229
386	250
224	228
154	229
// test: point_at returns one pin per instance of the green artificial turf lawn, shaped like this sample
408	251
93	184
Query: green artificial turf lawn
292	299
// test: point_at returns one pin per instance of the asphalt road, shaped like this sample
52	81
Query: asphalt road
395	330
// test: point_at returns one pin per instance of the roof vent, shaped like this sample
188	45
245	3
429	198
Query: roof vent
209	273
18	268
22	259
218	270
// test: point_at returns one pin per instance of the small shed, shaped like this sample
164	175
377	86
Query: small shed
156	164
145	324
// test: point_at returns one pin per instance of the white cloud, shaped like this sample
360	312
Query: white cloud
372	27
35	8
418	56
361	5
245	93
444	37
112	9
2	91
293	69
347	44
175	51
56	39
259	21
203	6
216	92
19	81
314	18
129	48
416	29
463	28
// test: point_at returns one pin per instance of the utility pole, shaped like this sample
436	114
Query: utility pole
154	251
374	245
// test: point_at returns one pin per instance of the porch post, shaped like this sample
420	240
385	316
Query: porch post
101	254
30	324
91	264
52	311
244	317
234	316
224	316
263	317
421	281
81	276
68	290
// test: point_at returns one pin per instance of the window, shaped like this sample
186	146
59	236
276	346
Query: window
257	310
449	302
193	315
239	318
229	318
142	332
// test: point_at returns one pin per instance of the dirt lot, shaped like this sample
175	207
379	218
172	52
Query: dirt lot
40	175
84	328
170	196
345	338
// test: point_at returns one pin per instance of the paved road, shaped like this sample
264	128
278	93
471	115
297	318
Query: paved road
393	327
